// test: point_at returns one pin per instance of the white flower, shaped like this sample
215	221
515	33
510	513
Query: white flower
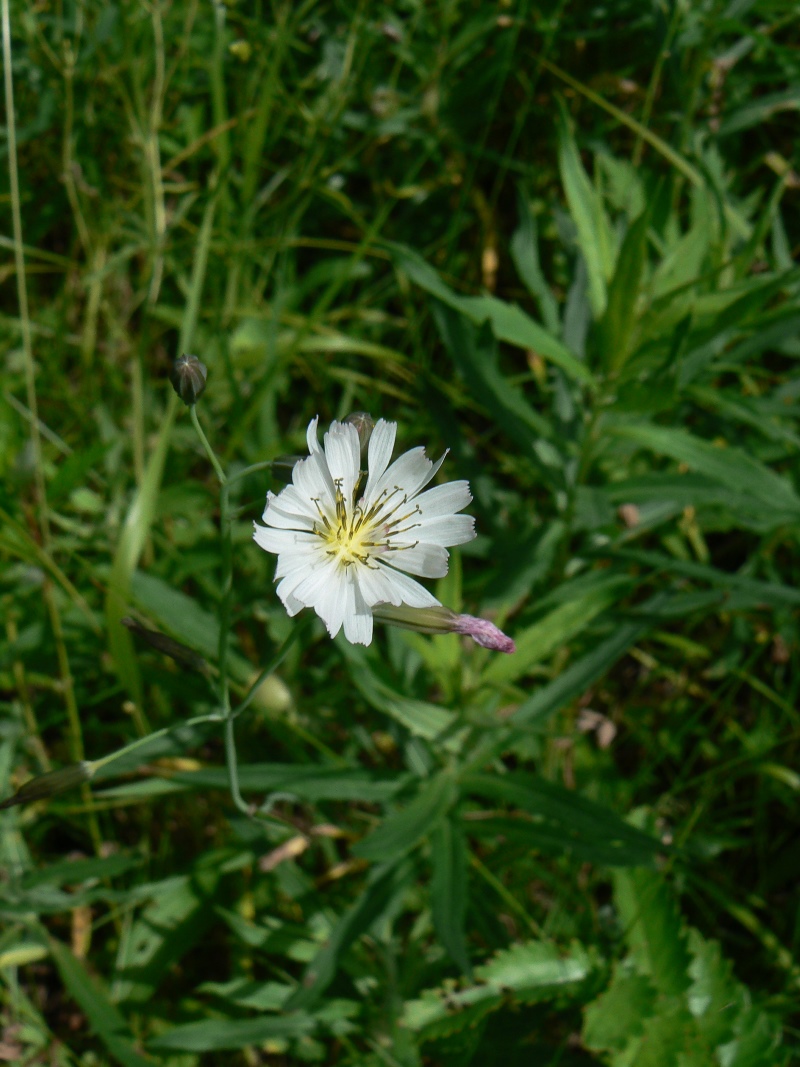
342	552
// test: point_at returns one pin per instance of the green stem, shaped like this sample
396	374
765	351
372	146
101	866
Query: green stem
270	668
208	449
97	764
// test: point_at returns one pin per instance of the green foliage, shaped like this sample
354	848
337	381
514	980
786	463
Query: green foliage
559	245
672	999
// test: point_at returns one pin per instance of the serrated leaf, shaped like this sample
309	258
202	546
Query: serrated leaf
527	972
618	1015
653	929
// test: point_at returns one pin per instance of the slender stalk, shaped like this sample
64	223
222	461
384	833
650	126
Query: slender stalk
19	265
209	451
97	764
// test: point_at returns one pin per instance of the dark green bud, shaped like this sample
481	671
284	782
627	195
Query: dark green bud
188	377
47	785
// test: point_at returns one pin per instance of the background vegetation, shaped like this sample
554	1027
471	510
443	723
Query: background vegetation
555	238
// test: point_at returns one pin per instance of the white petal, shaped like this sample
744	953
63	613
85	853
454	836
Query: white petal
376	586
313	481
358	628
407	473
427	560
343	453
412	593
335	601
292	541
290	512
312	438
381	446
447	531
444	499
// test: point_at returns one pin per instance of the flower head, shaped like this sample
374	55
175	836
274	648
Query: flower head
343	549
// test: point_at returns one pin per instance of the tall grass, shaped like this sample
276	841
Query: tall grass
559	243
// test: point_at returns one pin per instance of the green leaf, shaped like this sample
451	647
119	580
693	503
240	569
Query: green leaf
213	1035
509	322
619	1013
305	781
168	927
653	929
527	973
565	820
104	1017
475	354
524	249
730	466
404	829
420	717
588	214
615	330
554	631
577	678
382	887
130	546
449	888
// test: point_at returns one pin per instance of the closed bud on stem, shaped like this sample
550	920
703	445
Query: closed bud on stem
188	377
364	424
441	620
47	785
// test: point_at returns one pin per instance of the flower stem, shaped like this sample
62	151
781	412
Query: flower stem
204	442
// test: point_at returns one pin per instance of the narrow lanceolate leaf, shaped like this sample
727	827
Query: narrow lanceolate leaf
449	888
588	214
616	328
104	1017
135	532
406	828
728	465
525	253
386	880
577	678
554	630
560	819
509	322
214	1035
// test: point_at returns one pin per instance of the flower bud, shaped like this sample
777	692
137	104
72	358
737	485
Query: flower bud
47	785
441	620
364	424
188	377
